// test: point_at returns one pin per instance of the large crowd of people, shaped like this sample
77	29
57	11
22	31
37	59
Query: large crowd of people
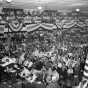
37	60
42	58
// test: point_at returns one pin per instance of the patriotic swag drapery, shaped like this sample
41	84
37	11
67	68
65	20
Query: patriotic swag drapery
46	26
15	25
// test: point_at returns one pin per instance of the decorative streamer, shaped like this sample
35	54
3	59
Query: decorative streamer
33	27
69	23
15	25
85	73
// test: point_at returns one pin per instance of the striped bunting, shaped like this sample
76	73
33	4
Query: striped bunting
85	73
33	27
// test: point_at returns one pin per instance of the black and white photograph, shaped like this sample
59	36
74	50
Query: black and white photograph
43	43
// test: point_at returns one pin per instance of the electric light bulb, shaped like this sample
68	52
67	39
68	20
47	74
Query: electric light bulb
39	8
9	0
77	10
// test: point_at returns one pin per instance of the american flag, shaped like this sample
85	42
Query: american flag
85	73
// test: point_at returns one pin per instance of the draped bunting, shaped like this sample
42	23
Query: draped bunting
63	24
33	27
48	26
45	20
69	23
15	25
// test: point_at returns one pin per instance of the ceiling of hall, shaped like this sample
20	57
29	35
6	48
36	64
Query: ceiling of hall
52	4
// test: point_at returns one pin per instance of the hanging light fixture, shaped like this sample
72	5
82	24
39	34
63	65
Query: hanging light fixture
9	1
39	7
77	10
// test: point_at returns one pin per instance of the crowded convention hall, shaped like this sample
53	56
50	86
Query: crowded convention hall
43	44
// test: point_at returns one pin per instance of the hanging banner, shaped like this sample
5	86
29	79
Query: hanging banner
15	25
